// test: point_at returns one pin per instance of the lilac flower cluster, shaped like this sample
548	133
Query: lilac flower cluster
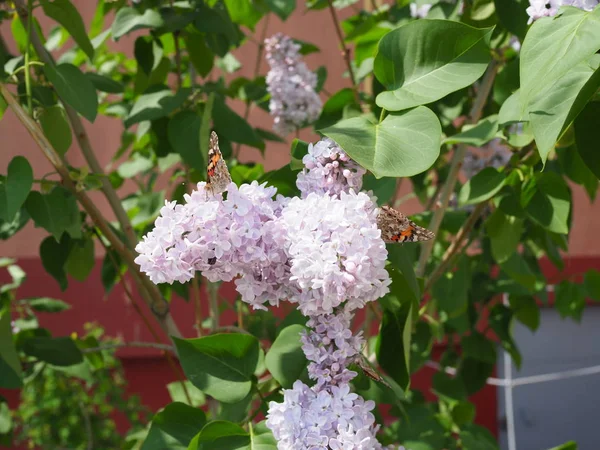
322	250
328	169
294	102
548	8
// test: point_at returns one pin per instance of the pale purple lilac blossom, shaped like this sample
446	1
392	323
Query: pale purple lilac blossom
294	102
549	8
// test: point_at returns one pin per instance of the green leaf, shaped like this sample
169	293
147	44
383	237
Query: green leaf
504	232
205	130
571	445
592	284
221	435
569	300
334	107
3	106
60	351
200	55
282	8
501	321
547	201
403	145
56	128
67	15
519	270
476	437
54	257
148	53
46	304
174	427
234	127
575	38
483	186
476	135
587	134
130	19
15	190
221	365
261	438
184	137
10	365
478	347
400	258
285	360
525	310
575	168
551	114
284	179
426	60
74	88
105	84
56	212
243	12
178	394
383	189
448	387
451	290
512	15
158	102
81	259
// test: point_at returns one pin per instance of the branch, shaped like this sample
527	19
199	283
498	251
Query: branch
345	50
116	345
155	301
81	135
456	163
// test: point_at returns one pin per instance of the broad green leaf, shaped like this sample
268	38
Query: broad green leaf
547	200
74	88
334	107
501	322
383	188
451	290
221	365
236	412
158	102
60	351
284	179
478	347
200	55
81	259
130	19
519	270
174	427
575	37
504	232
576	169
525	310
450	388
571	445
234	127
16	187
6	421
261	438
476	135
512	15
282	8
220	435
592	284
483	186
105	84
57	212
10	365
148	53
587	135
54	256
67	15
569	300
426	60
184	137
551	114
46	304
401	260
134	166
228	63
178	394
56	128
285	360
476	437
243	12
402	145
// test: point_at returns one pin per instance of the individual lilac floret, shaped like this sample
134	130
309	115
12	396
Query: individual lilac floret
549	8
328	169
335	251
331	346
333	418
220	238
495	154
294	102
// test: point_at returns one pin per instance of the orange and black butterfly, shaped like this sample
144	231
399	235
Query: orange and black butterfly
396	227
217	174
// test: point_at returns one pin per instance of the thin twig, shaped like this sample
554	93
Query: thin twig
456	163
116	345
88	426
345	50
259	55
27	58
81	135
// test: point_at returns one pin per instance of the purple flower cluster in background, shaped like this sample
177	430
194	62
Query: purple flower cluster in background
548	8
294	102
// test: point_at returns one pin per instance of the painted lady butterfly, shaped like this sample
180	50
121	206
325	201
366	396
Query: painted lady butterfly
217	174
396	227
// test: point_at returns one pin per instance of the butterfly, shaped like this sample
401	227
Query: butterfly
396	227
217	174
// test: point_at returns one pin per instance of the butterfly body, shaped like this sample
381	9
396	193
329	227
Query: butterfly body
217	174
397	228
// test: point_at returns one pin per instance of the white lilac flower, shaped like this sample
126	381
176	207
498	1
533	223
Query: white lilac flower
548	8
335	251
294	102
328	169
332	418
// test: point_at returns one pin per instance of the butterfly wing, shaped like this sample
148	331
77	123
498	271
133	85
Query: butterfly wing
396	227
217	174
